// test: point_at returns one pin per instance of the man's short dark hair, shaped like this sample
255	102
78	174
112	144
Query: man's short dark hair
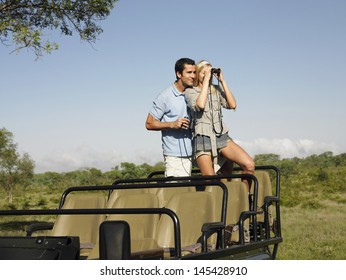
180	64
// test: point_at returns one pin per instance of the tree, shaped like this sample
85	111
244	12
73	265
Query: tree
22	22
14	169
264	159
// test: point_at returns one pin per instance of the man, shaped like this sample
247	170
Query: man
169	115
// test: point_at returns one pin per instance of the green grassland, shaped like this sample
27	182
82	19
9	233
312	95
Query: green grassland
313	234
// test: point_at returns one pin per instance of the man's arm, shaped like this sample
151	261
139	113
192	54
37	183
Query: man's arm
153	124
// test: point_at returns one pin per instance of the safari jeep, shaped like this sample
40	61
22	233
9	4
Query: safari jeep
197	217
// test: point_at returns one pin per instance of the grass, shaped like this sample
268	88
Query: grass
313	234
28	199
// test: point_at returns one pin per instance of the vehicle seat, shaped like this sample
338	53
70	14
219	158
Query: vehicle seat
165	194
264	189
84	226
238	202
142	226
193	210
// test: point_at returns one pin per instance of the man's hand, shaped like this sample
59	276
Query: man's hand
181	123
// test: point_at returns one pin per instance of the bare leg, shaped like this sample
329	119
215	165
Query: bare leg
206	165
237	154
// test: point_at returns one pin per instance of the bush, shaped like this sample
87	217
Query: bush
42	202
26	205
312	204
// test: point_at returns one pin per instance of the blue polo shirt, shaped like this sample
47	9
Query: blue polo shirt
168	107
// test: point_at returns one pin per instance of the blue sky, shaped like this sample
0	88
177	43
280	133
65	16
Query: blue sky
85	106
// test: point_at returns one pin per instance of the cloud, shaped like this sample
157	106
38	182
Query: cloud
288	148
85	156
80	157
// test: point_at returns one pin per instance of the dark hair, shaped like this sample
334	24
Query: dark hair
180	65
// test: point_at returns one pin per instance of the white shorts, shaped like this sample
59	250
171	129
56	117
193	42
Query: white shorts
177	166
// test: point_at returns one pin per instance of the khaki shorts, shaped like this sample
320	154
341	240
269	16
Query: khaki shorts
204	145
177	166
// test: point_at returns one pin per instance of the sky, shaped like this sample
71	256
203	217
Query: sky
86	105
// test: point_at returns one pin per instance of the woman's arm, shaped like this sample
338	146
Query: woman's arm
203	96
232	103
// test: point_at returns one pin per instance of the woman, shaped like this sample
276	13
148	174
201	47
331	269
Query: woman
210	132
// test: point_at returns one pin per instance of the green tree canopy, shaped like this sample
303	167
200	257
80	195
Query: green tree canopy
14	169
263	159
22	22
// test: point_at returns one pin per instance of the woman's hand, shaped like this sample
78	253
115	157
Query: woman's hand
219	76
207	74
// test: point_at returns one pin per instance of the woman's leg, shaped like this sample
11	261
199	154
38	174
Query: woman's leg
205	164
237	154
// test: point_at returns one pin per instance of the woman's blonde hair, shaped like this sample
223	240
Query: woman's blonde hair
199	66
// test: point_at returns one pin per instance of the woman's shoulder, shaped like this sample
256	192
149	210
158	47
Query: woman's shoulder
192	90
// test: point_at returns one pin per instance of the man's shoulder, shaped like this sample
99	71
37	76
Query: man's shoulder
168	93
168	90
